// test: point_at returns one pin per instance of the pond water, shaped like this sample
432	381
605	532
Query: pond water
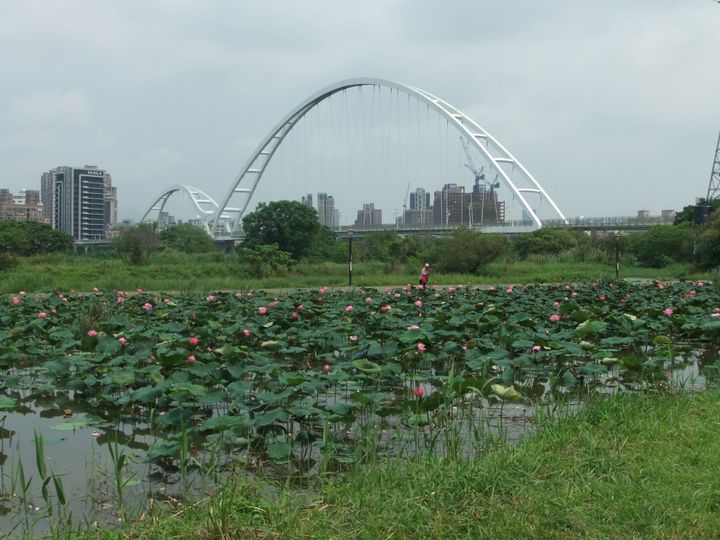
104	473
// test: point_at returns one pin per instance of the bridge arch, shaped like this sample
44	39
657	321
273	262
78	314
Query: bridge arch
227	219
205	205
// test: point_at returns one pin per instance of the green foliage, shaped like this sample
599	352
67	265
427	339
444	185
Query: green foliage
708	243
32	238
466	251
687	214
388	246
663	244
187	238
136	244
266	260
545	242
325	246
290	224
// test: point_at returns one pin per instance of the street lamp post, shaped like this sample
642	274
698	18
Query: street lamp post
617	256
350	235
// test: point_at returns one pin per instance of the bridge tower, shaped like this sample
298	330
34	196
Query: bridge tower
714	186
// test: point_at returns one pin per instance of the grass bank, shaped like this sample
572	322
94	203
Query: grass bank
631	466
217	271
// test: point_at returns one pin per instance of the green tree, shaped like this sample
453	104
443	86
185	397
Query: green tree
466	251
289	224
32	238
325	246
136	244
708	243
187	238
687	214
662	244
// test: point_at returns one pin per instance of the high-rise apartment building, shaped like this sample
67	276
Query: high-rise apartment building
454	207
327	215
307	200
22	206
80	201
369	216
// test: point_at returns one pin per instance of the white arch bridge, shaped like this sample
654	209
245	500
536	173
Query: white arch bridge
224	221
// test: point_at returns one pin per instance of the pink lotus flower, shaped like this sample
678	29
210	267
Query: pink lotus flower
451	289
262	310
420	347
385	308
509	290
246	332
418	303
554	317
668	311
191	359
536	348
323	290
326	368
42	314
120	299
419	391
238	295
92	332
353	338
348	309
320	299
193	341
294	315
272	304
556	304
147	306
300	307
369	300
211	298
691	294
602	297
139	291
15	300
122	340
660	286
397	295
96	290
413	327
53	311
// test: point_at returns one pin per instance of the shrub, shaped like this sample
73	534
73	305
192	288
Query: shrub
466	251
545	242
32	238
708	243
187	238
136	244
266	260
662	244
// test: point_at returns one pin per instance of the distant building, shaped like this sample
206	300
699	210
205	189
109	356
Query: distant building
668	215
369	216
307	200
80	201
453	207
327	215
22	206
643	214
420	213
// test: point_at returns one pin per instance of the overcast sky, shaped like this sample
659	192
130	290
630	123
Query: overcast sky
613	106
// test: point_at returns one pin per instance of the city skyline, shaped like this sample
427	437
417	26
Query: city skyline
597	101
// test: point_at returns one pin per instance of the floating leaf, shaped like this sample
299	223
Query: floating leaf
505	392
70	426
7	403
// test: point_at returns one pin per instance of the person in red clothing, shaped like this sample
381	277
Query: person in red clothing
424	275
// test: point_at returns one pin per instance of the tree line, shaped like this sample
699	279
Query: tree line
280	234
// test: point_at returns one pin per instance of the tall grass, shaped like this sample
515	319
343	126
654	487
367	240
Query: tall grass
626	467
174	271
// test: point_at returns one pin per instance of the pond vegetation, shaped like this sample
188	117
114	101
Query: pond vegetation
157	396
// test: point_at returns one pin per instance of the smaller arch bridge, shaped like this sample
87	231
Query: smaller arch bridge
205	205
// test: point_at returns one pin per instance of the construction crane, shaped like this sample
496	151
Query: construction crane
479	173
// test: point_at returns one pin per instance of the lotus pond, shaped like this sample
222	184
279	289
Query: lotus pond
112	399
